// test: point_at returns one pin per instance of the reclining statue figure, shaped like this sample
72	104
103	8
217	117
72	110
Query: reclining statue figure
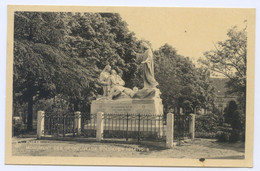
117	86
113	87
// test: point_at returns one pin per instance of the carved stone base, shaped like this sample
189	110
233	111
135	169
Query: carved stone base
130	106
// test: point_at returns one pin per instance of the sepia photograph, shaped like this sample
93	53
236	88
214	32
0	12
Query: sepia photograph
130	86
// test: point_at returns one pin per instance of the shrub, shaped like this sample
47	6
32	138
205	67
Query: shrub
206	126
205	135
235	136
229	111
236	120
224	133
18	126
223	136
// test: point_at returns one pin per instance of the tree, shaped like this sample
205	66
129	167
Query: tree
41	68
62	54
234	117
96	39
229	59
229	111
182	84
125	44
36	56
205	90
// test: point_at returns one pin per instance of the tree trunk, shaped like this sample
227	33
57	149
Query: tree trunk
30	114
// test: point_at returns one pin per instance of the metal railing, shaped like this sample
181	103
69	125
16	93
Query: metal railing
182	127
138	126
88	125
135	126
60	124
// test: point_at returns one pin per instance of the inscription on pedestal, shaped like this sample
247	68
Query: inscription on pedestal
124	107
121	108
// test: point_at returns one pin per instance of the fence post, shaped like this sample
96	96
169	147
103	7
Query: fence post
77	122
40	124
192	126
159	125
139	120
99	128
170	130
127	127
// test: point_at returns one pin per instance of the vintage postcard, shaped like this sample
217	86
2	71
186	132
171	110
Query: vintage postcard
130	86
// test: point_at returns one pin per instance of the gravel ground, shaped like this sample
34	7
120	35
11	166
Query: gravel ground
199	148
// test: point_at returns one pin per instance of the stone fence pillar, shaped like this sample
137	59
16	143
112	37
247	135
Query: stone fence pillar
99	126
170	130
77	122
192	126
40	124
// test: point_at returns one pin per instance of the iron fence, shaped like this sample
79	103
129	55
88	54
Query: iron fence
65	124
88	125
138	126
60	124
181	127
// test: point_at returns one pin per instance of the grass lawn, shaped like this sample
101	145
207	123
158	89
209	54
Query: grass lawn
199	148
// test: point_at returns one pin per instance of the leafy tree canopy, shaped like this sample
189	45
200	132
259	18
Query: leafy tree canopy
229	58
182	84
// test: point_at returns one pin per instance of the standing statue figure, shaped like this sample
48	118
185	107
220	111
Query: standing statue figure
148	66
104	80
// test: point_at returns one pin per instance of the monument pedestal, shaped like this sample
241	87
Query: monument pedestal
146	124
130	106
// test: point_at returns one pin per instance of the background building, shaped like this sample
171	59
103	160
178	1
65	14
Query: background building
222	98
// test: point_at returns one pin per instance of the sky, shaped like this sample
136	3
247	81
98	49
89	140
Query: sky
191	31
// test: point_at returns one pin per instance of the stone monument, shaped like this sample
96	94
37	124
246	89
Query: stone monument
118	99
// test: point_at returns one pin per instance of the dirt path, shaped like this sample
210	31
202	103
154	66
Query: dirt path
201	148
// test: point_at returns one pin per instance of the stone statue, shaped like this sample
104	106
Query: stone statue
116	83
117	88
148	66
104	80
118	99
113	84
